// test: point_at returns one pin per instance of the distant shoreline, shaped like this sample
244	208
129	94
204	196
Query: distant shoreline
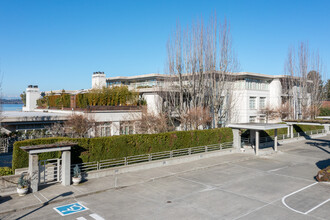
11	101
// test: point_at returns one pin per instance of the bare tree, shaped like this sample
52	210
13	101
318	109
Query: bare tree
302	89
78	125
196	118
57	130
270	113
201	63
150	123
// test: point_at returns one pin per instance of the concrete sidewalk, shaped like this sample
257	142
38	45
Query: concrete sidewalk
56	192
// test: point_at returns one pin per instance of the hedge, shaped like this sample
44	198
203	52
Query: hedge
5	171
296	128
95	149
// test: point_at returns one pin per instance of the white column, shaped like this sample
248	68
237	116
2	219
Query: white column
66	168
257	143
275	140
236	138
291	131
34	172
115	128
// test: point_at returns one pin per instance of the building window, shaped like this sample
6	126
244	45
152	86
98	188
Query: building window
252	102
262	103
252	119
262	119
105	130
126	128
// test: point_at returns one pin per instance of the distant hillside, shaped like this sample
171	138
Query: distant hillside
11	101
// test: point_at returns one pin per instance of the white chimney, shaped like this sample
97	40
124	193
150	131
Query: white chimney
32	95
98	80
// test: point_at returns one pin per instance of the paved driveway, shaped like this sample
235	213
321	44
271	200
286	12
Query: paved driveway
276	186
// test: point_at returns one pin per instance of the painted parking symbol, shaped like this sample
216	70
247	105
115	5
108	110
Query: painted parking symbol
70	209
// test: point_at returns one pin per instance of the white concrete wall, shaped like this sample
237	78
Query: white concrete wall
154	103
32	95
275	92
241	109
98	81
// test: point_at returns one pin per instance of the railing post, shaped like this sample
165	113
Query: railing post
149	157
220	146
97	165
205	148
126	162
189	151
58	170
171	154
283	137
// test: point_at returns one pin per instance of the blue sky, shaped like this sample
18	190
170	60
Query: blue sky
59	44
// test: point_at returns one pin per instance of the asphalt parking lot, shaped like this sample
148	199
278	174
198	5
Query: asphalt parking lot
275	186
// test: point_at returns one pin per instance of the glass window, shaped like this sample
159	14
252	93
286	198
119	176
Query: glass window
252	102
105	130
262	119
262	102
252	119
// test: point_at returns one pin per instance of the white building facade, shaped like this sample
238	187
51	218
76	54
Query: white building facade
251	94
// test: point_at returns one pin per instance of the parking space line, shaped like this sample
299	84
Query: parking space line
96	216
43	196
76	188
193	181
81	218
38	198
283	199
317	206
277	169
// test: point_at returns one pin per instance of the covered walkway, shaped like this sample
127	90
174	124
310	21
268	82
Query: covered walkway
255	129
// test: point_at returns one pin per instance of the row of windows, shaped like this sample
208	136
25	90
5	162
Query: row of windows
256	84
253	119
125	128
253	101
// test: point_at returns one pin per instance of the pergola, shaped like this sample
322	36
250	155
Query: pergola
35	150
255	129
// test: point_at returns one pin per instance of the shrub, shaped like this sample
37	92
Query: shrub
101	148
5	171
296	128
324	111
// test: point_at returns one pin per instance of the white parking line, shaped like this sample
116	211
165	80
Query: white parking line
96	216
38	198
81	218
317	206
304	213
43	196
283	199
277	169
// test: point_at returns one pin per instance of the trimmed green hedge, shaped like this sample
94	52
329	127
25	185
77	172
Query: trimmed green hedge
5	171
95	149
296	128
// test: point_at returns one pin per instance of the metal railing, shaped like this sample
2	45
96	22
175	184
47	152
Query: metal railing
124	161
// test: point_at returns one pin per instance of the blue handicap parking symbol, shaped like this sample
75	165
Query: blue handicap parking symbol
70	209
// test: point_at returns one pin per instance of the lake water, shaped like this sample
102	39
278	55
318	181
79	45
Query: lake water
12	107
